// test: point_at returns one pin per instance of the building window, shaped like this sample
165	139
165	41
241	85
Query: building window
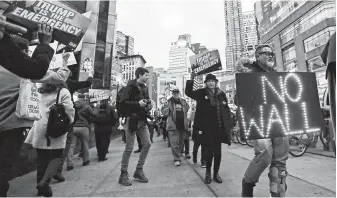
318	39
322	11
289	59
315	63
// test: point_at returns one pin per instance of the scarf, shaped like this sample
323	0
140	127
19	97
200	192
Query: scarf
215	103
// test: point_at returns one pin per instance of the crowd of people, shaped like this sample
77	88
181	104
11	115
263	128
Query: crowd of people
208	122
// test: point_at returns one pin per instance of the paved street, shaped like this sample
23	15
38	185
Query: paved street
310	175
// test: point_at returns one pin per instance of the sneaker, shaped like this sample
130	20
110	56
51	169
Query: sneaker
137	151
177	163
86	163
124	179
203	165
139	174
69	168
58	177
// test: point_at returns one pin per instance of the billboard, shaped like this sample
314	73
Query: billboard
277	104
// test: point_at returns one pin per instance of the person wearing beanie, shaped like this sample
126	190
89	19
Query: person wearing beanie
177	124
212	122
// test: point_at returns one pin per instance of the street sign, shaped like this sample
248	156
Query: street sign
277	104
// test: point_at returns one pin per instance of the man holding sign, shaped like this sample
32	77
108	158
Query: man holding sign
273	152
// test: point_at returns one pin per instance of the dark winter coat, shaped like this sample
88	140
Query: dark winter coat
205	129
129	101
105	120
84	114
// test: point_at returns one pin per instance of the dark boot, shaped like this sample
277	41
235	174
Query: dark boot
247	189
217	177
124	179
137	151
139	174
44	190
208	178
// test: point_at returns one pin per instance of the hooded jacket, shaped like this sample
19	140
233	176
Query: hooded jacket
84	113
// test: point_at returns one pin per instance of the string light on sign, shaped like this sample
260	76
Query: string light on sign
280	96
252	123
278	120
300	87
312	130
305	115
286	116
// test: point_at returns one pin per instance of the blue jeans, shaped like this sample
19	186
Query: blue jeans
143	132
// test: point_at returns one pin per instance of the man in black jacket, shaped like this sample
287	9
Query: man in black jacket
135	102
273	152
14	65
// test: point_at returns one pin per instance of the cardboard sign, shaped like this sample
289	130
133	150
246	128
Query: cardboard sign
277	104
57	60
69	25
98	94
206	62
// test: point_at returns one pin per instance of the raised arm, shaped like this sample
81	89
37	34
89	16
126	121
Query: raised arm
53	77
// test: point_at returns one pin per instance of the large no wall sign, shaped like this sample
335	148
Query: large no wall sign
277	104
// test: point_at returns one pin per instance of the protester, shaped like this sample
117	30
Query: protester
196	145
15	64
37	135
177	124
135	102
156	122
212	122
104	122
273	152
81	130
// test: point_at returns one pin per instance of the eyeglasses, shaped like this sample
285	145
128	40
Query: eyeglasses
268	53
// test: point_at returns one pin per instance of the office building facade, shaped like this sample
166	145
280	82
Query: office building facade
298	31
250	39
124	44
129	65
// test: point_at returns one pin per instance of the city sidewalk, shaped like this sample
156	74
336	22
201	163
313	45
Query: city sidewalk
166	180
101	179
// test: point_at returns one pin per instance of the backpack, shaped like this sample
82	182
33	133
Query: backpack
58	121
119	105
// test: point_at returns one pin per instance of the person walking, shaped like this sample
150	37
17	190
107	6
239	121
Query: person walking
37	135
212	122
177	124
196	145
273	152
81	130
135	102
104	122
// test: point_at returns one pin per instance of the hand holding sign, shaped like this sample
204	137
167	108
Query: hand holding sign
45	33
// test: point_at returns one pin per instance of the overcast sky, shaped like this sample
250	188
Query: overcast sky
155	24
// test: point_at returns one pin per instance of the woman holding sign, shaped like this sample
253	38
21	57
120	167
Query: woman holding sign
212	122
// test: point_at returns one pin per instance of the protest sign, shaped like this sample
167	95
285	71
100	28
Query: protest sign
206	62
98	94
69	25
277	104
57	60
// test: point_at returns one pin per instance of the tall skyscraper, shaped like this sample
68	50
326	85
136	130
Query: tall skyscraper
234	32
250	40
